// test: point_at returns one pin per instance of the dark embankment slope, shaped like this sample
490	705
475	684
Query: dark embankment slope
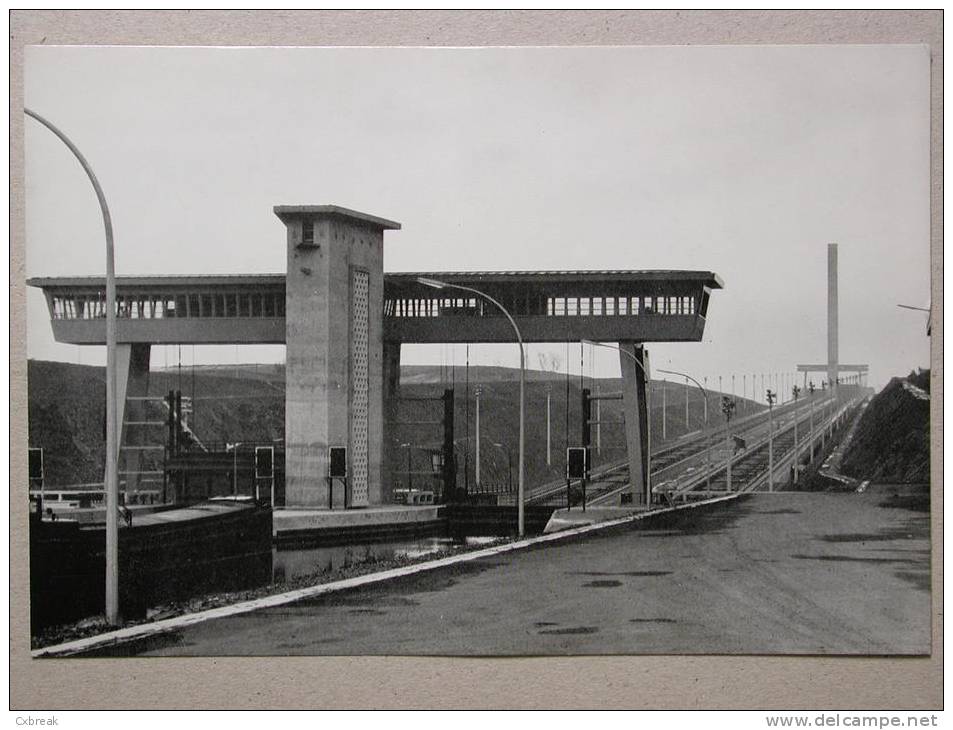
892	442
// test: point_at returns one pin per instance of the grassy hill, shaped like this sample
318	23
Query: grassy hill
246	403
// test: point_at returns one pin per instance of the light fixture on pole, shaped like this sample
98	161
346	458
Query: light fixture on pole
706	404
664	408
477	476
648	412
111	482
234	449
728	408
810	391
437	284
771	395
549	433
795	391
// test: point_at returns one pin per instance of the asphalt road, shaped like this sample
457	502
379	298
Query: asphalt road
769	573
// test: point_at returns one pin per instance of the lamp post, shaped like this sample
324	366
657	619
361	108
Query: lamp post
648	413
599	422
795	391
234	449
705	395
664	433
728	407
111	484
549	433
479	392
706	404
810	390
436	284
771	395
686	405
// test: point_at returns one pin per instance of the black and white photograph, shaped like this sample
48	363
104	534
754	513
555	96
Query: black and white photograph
478	352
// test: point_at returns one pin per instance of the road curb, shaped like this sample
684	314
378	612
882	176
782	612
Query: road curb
140	631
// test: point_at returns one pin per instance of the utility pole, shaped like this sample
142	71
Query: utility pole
744	393
771	396
795	391
111	477
664	432
706	401
549	433
598	422
476	468
728	407
686	405
811	397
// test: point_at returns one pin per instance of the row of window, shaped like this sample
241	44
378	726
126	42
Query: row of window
165	306
542	306
611	306
272	304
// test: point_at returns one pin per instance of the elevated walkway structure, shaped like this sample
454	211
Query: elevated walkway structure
548	306
343	321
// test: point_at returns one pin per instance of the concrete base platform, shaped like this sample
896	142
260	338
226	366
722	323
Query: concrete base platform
312	528
564	519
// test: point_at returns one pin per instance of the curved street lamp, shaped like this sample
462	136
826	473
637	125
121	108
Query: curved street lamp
111	484
437	284
648	413
705	395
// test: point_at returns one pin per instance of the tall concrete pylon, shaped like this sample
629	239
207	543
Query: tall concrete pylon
832	355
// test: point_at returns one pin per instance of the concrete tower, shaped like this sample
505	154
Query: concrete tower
832	356
334	303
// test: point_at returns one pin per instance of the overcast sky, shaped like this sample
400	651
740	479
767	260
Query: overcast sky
745	161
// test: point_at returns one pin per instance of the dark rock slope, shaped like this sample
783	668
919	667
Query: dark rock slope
892	441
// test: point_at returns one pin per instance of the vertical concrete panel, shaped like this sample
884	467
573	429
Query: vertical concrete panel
359	406
306	363
337	344
372	248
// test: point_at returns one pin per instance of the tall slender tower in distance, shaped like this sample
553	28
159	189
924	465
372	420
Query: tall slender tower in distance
832	356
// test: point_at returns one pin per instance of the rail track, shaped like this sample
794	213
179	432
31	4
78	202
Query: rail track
673	462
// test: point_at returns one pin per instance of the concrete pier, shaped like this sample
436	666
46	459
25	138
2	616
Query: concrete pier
334	336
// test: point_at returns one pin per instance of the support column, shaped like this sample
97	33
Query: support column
391	416
334	304
636	412
132	381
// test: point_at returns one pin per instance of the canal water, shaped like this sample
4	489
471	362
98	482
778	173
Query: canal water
291	564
